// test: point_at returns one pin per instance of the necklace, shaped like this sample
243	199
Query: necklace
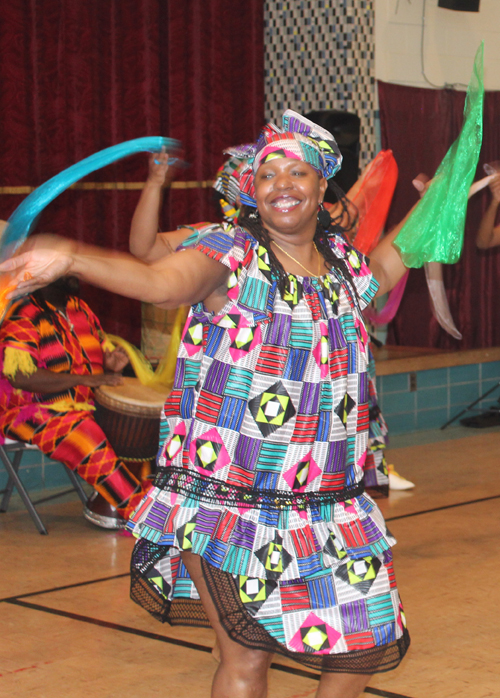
309	273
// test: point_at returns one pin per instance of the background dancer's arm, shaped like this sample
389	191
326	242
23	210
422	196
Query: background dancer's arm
488	235
145	242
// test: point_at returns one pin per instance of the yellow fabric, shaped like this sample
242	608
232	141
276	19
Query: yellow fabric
15	360
163	376
107	344
18	360
68	405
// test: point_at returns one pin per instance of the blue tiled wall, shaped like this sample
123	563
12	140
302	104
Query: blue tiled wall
37	472
441	393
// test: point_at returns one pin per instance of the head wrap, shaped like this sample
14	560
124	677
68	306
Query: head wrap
299	139
227	183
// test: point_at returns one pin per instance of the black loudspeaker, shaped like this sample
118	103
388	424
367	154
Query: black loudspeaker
460	5
345	127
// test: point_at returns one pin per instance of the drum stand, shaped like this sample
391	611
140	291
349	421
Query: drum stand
469	407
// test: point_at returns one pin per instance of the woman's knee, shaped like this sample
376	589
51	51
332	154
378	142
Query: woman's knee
246	663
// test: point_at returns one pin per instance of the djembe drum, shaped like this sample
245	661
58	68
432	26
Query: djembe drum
129	415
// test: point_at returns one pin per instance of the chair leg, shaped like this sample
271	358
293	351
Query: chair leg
75	481
22	492
10	483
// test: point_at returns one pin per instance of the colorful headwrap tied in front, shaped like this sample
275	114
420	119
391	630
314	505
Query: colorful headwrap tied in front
227	183
299	139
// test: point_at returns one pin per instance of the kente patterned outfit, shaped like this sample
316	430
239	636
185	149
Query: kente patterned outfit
227	183
61	424
264	439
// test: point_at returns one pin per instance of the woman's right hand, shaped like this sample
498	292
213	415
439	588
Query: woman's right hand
36	268
97	379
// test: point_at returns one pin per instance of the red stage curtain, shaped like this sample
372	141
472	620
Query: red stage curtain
419	125
81	76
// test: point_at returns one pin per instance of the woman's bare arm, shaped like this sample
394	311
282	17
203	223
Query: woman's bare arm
167	243
183	278
386	264
385	260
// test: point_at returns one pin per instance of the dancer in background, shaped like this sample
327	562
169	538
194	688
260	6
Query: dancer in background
149	245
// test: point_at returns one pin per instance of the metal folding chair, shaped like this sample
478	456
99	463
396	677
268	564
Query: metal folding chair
12	468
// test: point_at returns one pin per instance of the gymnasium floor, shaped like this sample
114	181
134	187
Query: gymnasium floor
69	629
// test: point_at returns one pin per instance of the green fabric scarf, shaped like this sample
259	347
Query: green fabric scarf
434	232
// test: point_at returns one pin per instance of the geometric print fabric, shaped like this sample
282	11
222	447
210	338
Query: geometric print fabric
69	342
344	607
262	418
75	439
270	394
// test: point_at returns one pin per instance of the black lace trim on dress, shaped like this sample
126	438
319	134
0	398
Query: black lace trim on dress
215	491
182	611
237	622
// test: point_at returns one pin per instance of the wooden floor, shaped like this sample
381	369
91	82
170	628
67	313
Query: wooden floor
69	629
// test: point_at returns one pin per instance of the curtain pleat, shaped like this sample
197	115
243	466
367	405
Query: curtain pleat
81	76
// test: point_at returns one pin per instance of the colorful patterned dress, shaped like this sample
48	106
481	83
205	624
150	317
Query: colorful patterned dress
264	437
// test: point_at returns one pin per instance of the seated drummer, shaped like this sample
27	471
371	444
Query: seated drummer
51	357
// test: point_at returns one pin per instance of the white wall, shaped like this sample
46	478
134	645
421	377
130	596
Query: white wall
450	42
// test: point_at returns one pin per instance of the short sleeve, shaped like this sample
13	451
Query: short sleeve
225	243
250	297
199	231
362	279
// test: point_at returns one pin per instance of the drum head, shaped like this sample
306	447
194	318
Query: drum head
131	398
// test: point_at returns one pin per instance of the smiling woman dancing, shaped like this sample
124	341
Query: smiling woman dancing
258	522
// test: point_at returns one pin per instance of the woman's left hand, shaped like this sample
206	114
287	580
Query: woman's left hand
421	183
115	360
36	268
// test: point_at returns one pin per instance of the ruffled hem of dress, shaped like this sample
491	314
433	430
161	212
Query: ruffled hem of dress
308	542
246	630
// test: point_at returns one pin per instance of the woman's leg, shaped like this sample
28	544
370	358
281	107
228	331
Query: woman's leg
242	672
341	685
75	439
